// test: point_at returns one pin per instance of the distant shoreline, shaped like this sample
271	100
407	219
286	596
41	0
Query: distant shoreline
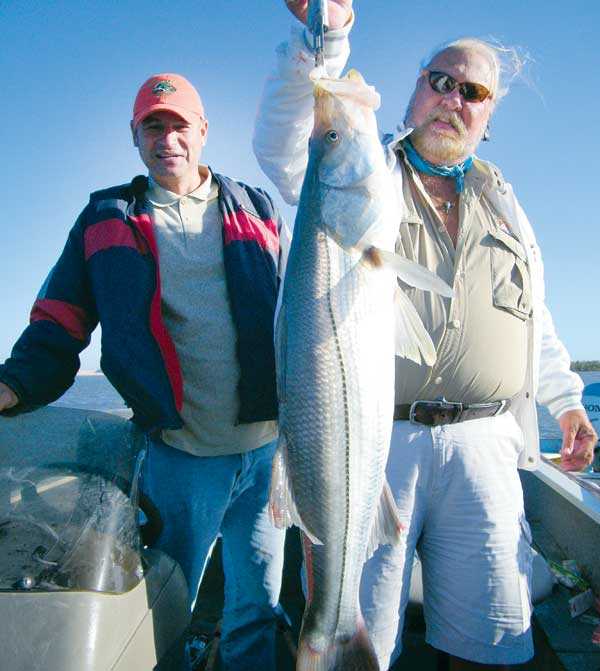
578	366
585	366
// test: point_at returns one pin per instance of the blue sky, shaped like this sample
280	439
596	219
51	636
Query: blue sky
70	71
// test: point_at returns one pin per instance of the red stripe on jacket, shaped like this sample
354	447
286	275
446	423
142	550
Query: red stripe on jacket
71	317
157	326
242	225
106	234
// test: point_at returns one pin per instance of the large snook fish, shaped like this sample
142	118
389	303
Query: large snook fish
335	342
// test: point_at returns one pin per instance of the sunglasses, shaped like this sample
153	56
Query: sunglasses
442	83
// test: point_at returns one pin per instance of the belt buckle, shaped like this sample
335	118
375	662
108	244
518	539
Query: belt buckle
436	407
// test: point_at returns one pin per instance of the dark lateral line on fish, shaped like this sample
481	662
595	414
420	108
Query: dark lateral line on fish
347	431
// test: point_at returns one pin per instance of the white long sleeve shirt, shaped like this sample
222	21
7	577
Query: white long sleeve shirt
283	126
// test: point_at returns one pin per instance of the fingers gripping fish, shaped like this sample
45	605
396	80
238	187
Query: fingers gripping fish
342	319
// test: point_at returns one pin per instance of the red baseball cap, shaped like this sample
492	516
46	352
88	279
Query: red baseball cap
167	92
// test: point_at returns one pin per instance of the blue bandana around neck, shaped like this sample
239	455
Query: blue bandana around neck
457	172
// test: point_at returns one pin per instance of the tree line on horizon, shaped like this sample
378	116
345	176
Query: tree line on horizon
585	365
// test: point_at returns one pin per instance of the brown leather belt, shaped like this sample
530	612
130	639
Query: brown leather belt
434	413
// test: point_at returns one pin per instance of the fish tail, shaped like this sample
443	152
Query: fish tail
357	654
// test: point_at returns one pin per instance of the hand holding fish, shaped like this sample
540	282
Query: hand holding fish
8	398
339	11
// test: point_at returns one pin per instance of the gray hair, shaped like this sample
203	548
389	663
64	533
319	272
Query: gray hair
507	62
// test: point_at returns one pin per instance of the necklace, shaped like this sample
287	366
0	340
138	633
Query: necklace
448	215
443	206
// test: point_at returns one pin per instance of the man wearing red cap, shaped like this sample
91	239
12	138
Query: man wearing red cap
181	269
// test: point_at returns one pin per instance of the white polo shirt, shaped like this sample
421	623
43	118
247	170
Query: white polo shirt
195	308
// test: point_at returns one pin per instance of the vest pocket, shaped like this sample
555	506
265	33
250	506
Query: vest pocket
511	281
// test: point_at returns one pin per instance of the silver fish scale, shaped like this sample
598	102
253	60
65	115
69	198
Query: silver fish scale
334	414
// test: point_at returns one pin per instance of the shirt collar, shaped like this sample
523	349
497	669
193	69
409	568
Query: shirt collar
161	197
479	178
396	138
477	175
393	145
476	180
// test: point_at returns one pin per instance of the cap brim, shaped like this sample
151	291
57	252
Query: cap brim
185	114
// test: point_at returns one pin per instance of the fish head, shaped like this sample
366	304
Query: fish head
345	129
347	157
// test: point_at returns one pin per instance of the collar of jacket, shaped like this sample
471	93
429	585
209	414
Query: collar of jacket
390	142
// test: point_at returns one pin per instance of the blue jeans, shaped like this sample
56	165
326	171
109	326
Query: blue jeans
200	497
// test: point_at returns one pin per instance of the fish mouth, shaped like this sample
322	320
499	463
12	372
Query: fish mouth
346	105
351	88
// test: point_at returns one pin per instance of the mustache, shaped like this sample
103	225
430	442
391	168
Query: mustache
447	117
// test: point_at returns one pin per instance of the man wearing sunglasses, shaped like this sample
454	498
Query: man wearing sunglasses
466	424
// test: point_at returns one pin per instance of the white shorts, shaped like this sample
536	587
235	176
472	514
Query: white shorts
460	497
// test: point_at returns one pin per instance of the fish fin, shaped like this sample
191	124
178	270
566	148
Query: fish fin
357	654
412	339
280	500
282	507
414	274
308	579
354	75
387	527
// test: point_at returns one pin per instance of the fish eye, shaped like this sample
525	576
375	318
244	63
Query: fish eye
332	136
